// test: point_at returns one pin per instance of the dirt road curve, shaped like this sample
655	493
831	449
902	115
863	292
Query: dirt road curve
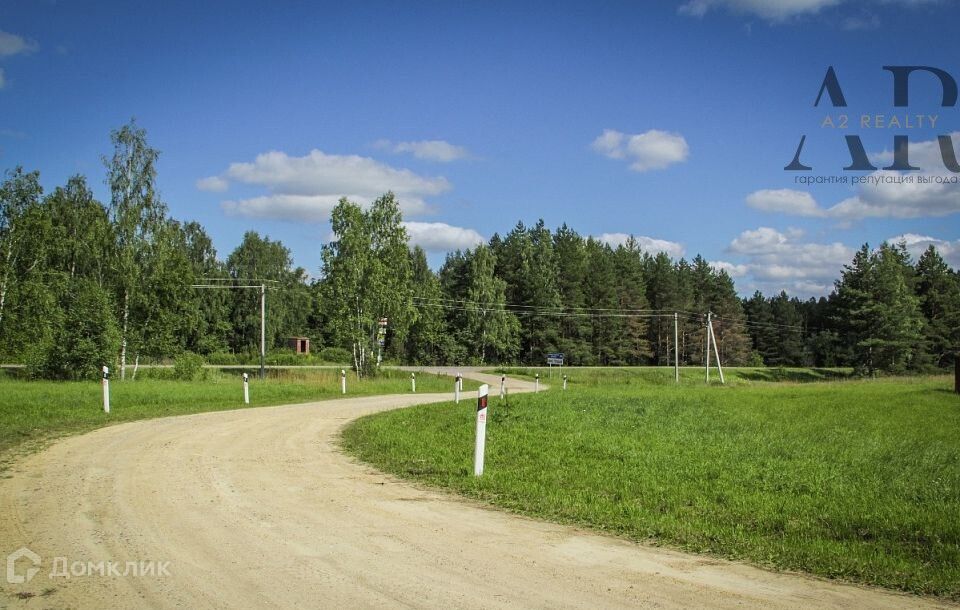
258	508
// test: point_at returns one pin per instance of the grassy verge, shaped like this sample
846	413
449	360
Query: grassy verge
858	480
664	375
32	412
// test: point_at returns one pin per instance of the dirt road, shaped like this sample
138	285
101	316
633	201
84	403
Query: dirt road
258	508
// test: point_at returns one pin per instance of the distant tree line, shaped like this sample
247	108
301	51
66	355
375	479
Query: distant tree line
84	284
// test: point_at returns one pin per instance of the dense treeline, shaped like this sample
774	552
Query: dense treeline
886	313
84	284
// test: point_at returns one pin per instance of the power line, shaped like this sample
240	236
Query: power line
559	314
754	323
548	310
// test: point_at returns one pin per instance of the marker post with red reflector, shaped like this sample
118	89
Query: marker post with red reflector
105	382
481	430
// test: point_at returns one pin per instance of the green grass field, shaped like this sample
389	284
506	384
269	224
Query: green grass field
854	479
33	412
664	375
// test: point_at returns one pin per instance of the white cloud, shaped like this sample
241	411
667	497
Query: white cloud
775	11
864	21
213	184
778	261
609	143
760	241
302	208
732	269
772	10
11	44
320	173
306	188
885	194
441	237
430	150
787	201
650	150
917	244
647	244
3	80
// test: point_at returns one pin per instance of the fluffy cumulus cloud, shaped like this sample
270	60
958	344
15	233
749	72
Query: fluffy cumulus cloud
733	270
787	201
306	188
776	10
646	151
772	10
775	261
302	208
430	150
12	44
647	244
213	184
885	194
917	244
441	237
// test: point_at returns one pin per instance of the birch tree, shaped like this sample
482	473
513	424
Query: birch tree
136	213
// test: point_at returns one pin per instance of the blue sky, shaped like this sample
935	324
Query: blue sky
670	121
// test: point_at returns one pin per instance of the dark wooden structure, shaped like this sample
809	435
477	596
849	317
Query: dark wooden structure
300	345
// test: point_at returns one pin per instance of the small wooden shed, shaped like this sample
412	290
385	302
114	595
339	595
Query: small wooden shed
300	345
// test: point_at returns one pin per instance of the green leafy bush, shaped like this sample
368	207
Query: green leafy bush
224	358
189	367
337	355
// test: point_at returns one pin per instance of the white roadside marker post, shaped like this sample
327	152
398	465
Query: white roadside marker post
343	381
458	382
536	387
105	381
503	386
413	383
246	389
564	382
481	430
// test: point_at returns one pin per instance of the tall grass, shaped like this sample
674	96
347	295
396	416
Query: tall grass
858	480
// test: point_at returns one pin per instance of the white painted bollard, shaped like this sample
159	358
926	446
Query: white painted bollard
481	430
536	387
503	386
458	382
413	383
564	382
105	381
343	381
246	389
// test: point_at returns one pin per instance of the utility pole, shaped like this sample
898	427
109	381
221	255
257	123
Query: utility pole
262	286
263	329
716	353
676	351
706	332
956	373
